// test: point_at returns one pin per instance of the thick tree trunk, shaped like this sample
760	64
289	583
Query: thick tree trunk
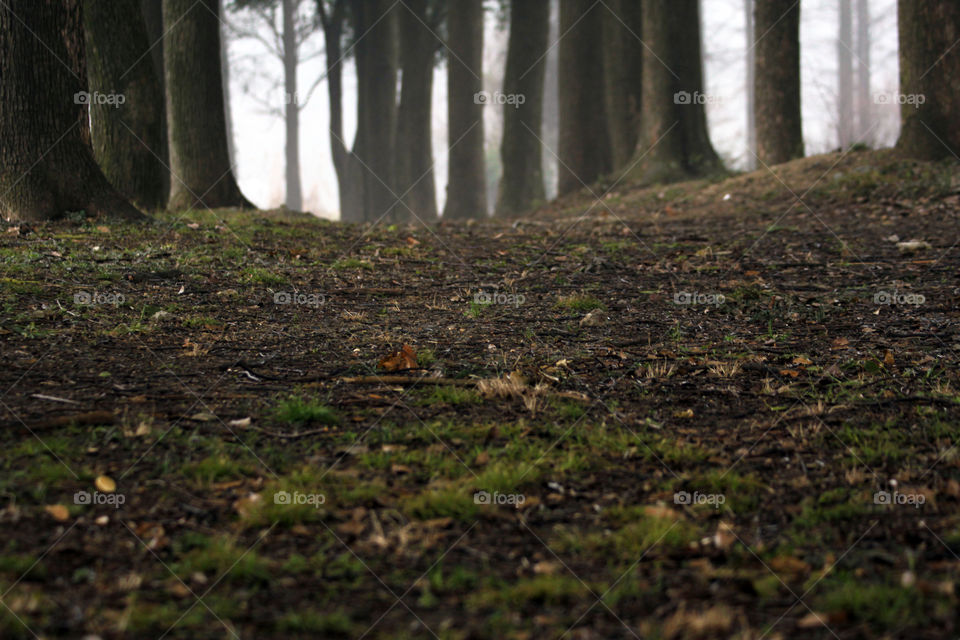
551	105
294	198
153	21
376	55
674	143
47	167
623	76
466	184
126	109
521	186
584	151
196	123
777	93
225	81
414	154
845	128
929	73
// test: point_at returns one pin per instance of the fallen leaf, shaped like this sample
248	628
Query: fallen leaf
58	512
105	484
802	361
405	358
888	358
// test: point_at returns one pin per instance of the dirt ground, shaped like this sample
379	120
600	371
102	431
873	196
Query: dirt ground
712	410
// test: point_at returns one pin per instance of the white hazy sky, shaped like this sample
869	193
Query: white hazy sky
259	137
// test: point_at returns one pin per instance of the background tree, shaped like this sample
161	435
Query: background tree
929	67
521	185
466	183
751	37
47	167
673	142
128	137
622	74
419	20
196	126
152	11
285	30
584	146
845	118
864	101
777	82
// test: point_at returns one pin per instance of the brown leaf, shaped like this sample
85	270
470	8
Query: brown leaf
888	358
58	512
405	358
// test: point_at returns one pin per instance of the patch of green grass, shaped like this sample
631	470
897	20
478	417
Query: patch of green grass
221	555
335	624
213	469
578	302
448	394
475	308
298	410
882	606
425	358
257	275
543	590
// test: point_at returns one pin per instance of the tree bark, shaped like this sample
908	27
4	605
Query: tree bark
845	128
376	55
777	78
152	11
414	153
929	72
196	124
127	138
294	199
584	151
521	186
623	76
674	143
466	184
47	167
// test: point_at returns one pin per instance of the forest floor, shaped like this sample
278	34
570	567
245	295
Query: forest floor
674	414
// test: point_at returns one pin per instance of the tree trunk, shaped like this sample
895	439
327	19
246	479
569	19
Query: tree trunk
674	143
845	129
196	123
466	184
551	105
864	104
47	167
376	54
777	77
521	185
152	11
751	30
584	151
294	198
127	137
929	73
414	154
333	22
623	77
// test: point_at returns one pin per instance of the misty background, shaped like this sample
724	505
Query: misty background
257	95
